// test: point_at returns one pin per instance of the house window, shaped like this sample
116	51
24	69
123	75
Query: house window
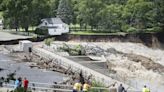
46	23
64	26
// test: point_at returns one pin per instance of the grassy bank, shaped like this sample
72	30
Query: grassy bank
94	33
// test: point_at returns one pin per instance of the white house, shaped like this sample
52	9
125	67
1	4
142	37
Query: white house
1	24
55	26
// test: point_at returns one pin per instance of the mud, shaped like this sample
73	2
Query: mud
148	63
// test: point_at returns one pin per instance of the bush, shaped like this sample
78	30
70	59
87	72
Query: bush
125	27
97	84
65	48
48	41
21	89
41	31
74	53
157	29
154	29
131	29
74	50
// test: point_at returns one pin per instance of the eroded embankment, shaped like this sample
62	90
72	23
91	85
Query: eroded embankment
155	40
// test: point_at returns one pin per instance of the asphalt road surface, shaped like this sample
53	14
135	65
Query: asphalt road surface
22	70
5	36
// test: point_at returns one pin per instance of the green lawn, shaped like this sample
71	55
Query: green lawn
93	33
31	29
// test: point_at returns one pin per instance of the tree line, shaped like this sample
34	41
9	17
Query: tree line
99	15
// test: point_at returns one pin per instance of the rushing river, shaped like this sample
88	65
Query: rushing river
22	70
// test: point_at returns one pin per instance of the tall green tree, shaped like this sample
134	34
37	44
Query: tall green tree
140	14
54	6
108	2
40	10
111	18
1	1
12	13
159	9
107	15
88	12
74	5
65	11
25	13
26	16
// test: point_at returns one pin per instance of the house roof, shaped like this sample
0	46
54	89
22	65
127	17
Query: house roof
53	20
50	21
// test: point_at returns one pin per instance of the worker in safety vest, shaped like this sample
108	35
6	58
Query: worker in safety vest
145	89
86	86
77	87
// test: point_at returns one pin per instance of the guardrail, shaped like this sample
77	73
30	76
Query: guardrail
59	87
34	88
99	89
